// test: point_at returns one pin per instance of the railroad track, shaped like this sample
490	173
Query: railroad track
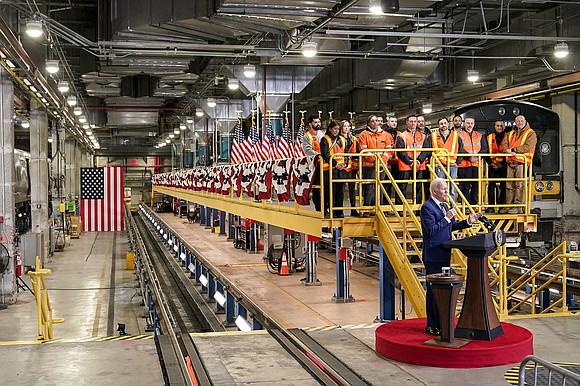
182	310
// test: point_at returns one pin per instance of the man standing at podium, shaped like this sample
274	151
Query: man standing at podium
437	223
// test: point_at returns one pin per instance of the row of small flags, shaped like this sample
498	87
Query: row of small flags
252	149
255	179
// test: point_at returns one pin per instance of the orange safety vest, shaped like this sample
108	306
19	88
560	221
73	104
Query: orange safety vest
335	147
515	141
494	148
412	141
452	146
313	141
473	146
378	140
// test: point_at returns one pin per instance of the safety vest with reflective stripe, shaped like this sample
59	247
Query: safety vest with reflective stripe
452	145
379	140
412	141
313	141
335	147
515	141
494	148
472	145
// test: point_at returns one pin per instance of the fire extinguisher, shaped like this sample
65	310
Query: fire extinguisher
18	266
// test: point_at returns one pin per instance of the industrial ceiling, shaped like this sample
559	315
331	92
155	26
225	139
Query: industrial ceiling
140	67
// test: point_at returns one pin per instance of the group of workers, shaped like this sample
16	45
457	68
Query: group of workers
462	143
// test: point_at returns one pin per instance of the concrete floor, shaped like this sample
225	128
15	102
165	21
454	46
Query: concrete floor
90	288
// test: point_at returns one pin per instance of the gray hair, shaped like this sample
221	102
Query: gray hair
435	183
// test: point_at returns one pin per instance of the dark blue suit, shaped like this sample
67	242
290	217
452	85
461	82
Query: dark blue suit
436	230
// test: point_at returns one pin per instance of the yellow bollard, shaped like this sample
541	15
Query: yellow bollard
44	310
130	260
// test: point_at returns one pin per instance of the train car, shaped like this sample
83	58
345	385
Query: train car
547	163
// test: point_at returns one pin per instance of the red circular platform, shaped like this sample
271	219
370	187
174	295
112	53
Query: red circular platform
402	340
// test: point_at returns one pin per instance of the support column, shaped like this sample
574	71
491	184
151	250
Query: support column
386	287
343	266
39	172
223	221
311	259
7	183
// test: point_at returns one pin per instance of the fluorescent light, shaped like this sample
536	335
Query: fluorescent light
63	86
203	280
187	120
561	50
167	141
249	70
26	81
89	132
199	113
309	49
176	131
243	324
77	111
86	126
49	139
51	66
219	298
34	28
427	108
10	64
82	119
71	100
182	256
181	127
175	248
472	75
171	136
165	237
211	102
25	124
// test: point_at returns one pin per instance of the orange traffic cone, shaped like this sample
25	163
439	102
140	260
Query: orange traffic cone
284	266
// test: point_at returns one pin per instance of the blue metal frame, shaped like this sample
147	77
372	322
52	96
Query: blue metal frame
386	288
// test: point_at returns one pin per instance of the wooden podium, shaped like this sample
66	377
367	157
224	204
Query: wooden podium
445	291
478	319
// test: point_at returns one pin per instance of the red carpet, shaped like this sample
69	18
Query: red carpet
402	340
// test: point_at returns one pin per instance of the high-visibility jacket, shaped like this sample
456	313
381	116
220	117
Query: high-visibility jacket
353	161
313	141
335	146
515	141
394	133
452	145
494	148
375	140
412	141
471	145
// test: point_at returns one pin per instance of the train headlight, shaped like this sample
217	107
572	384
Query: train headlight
539	186
549	185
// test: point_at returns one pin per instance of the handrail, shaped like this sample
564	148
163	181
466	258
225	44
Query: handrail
551	367
43	307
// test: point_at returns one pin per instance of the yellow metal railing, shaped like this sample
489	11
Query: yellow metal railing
44	310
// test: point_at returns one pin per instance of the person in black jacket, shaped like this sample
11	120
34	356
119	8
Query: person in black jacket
332	144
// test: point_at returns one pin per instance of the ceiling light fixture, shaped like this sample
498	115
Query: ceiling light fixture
211	102
176	130
171	135
63	86
379	7
82	119
25	124
249	70
77	111
34	28
181	127
427	108
233	84
51	66
561	50
472	75
188	120
199	113
71	100
309	49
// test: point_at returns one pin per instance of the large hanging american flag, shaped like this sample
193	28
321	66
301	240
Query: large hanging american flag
102	206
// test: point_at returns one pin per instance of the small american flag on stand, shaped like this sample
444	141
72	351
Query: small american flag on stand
284	150
237	154
102	206
298	149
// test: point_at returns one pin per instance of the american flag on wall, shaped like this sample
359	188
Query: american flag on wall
102	206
